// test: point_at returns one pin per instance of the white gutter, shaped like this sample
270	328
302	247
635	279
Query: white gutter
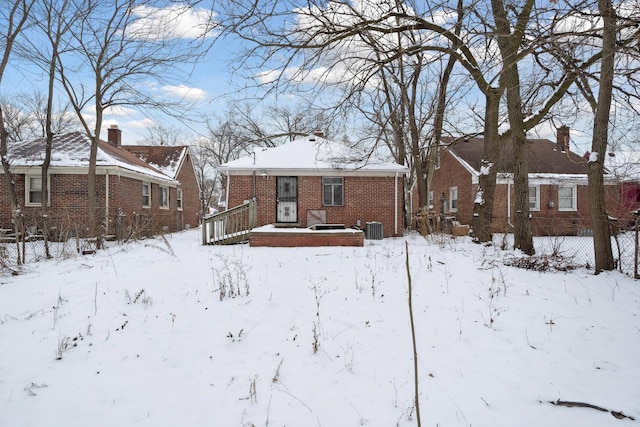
396	206
509	204
226	193
106	202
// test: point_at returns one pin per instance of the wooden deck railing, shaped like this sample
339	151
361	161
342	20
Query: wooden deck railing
230	226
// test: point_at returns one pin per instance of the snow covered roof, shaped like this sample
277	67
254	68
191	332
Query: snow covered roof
624	165
312	154
166	159
72	150
543	157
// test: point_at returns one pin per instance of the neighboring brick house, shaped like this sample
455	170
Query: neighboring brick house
624	167
175	162
558	191
312	180
131	194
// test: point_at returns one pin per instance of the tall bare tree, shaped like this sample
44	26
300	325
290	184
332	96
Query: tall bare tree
15	15
350	47
163	135
599	217
120	44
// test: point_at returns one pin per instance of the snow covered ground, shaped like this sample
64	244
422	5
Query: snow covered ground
139	335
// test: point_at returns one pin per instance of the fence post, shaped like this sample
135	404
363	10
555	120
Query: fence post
635	258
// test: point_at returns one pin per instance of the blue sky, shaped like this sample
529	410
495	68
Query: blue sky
209	83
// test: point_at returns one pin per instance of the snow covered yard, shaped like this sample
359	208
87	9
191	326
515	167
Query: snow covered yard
147	334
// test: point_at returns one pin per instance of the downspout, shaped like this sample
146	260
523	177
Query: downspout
254	184
509	204
226	193
413	185
106	203
396	207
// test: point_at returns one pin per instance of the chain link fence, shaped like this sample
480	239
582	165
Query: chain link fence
578	250
40	241
567	238
38	237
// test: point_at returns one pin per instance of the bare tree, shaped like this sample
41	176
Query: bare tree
205	174
120	45
608	36
17	121
599	217
163	135
15	14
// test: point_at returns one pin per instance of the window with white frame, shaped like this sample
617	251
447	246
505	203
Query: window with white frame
146	194
567	198
430	199
164	197
332	191
453	199
33	190
437	159
534	197
179	198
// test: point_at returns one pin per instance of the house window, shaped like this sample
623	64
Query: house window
33	190
567	198
453	199
164	197
179	198
332	191
430	199
146	194
437	159
534	197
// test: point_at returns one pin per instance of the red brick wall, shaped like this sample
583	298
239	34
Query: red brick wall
305	239
68	203
367	199
451	174
190	215
546	221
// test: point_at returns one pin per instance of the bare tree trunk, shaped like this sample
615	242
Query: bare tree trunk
509	44
441	105
91	188
483	203
16	212
17	18
599	217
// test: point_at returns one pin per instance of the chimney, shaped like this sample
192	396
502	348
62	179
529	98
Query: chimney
318	133
114	136
562	141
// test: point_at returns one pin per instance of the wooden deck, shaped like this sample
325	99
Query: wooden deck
230	226
239	225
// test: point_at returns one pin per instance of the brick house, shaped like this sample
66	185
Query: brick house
312	180
624	167
131	193
558	191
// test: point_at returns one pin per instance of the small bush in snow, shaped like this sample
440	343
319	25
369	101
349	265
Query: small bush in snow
543	263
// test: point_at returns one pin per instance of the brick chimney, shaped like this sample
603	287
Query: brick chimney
114	136
318	133
562	141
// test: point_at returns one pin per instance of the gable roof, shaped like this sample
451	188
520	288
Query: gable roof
311	154
543	157
72	150
167	159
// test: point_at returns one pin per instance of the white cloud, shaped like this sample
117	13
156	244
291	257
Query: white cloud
185	92
119	111
140	124
172	22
